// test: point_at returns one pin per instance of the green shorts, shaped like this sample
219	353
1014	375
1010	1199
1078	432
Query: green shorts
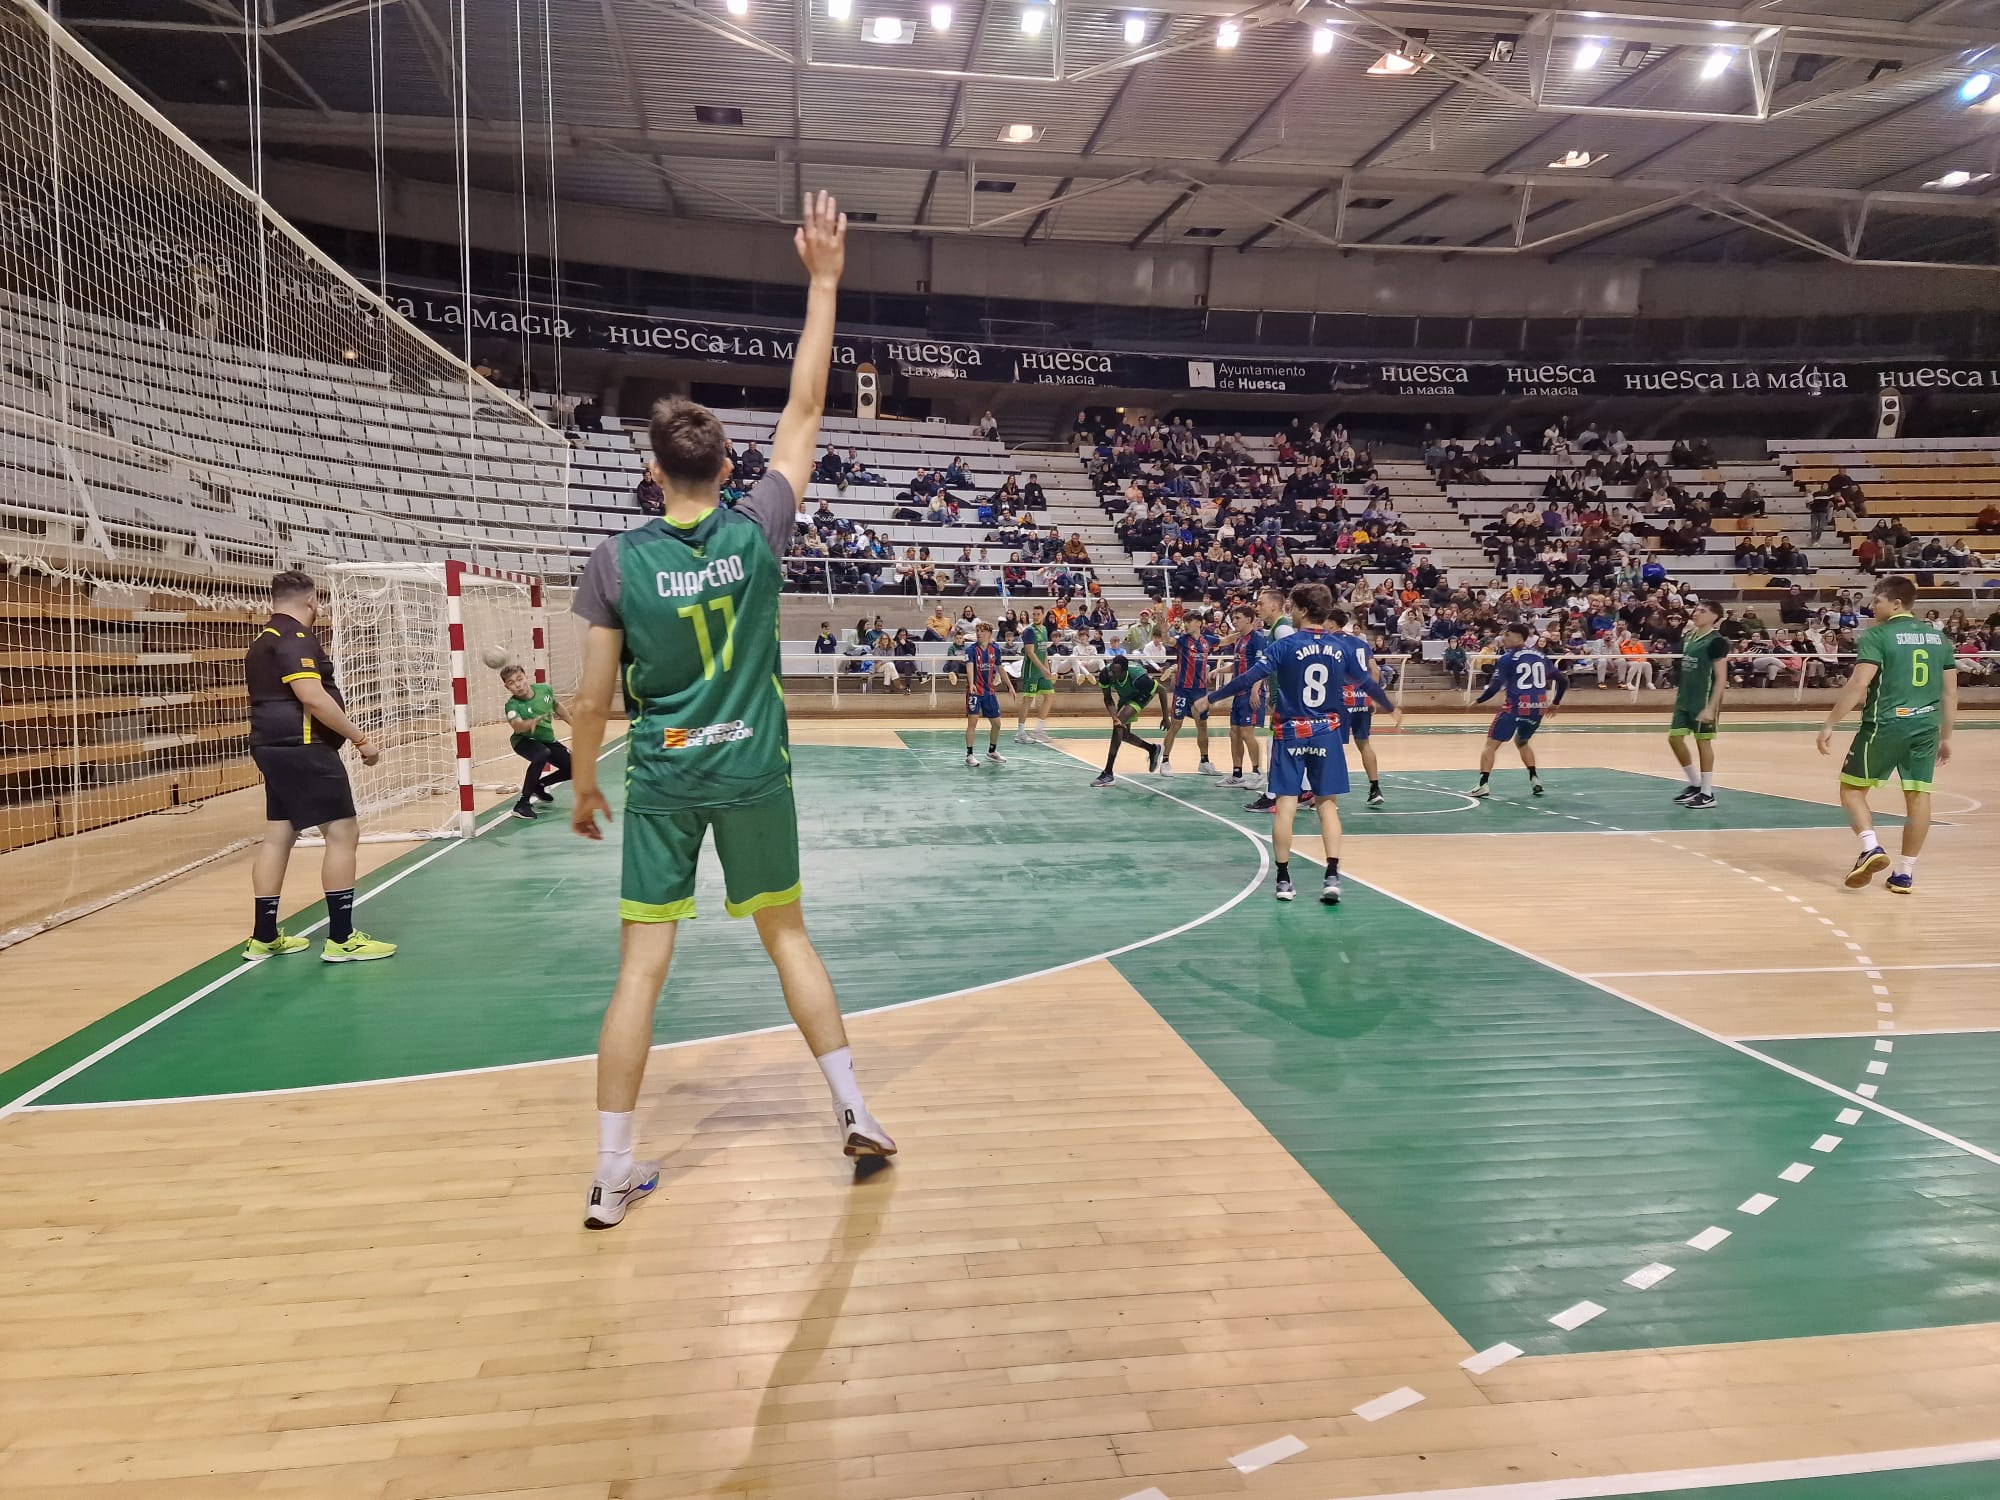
1034	685
757	842
1907	750
1686	723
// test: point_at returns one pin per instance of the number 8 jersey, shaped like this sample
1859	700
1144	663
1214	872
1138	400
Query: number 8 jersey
698	604
1309	670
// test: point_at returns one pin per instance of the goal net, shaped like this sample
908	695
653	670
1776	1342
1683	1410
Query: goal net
412	645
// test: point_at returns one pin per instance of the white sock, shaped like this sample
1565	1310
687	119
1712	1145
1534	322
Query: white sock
1869	841
1708	781
1906	864
838	1066
1693	776
614	1145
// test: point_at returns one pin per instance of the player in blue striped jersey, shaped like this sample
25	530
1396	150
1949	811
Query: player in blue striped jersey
1532	686
1360	712
1307	671
1245	643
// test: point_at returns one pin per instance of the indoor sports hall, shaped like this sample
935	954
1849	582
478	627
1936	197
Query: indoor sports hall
1616	1133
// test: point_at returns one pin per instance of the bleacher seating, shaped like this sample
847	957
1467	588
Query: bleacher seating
1933	486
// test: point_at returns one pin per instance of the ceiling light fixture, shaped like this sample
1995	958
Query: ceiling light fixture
1020	135
1633	54
1589	52
1571	160
1975	87
940	18
1033	19
737	7
1135	29
839	10
1958	179
1504	45
1717	63
1227	35
1885	66
1323	40
1405	60
888	30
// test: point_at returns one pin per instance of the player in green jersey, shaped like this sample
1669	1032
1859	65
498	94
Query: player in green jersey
1038	680
1128	688
686	607
1698	703
1906	684
531	711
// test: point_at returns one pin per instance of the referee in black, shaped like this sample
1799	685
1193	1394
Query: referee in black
297	726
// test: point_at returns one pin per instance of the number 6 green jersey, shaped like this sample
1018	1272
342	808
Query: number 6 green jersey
698	604
1911	657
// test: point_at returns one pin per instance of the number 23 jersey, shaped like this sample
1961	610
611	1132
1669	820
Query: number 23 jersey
698	605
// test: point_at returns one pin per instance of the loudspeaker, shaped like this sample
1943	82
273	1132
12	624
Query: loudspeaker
867	393
1888	412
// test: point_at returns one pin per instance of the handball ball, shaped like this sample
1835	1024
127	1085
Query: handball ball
494	657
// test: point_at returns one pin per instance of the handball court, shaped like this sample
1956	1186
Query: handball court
1590	1147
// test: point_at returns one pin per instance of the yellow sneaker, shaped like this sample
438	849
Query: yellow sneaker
255	952
358	949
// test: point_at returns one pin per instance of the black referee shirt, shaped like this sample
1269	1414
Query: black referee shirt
283	653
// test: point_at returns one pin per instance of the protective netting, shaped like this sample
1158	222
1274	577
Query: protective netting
191	397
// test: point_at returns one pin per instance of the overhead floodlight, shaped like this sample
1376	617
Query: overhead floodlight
1717	63
1135	29
1227	35
1323	40
737	7
888	30
1570	161
1405	60
940	18
1958	179
839	10
1589	53
1975	87
1033	19
1020	135
1632	54
1504	45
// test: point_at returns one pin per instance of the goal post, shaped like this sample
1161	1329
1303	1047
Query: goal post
410	646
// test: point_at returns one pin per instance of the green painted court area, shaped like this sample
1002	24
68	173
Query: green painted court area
1516	1140
1945	1080
1942	1482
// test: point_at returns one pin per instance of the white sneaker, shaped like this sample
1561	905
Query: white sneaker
1166	766
996	757
1206	768
1021	737
862	1135
970	763
608	1202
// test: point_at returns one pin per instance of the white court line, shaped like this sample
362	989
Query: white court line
1717	1477
26	1101
1846	968
1851	1096
1813	1036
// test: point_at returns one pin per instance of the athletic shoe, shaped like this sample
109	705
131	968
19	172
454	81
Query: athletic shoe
1206	768
971	762
1162	766
609	1201
862	1136
1700	801
1105	778
1253	778
524	810
1285	892
1482	790
256	952
1020	736
1152	758
543	794
1536	787
1901	885
1041	737
996	757
1374	796
1329	891
1866	868
1687	795
1264	803
1308	800
358	949
1235	779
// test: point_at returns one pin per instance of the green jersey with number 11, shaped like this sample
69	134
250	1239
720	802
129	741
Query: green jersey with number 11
1911	657
698	604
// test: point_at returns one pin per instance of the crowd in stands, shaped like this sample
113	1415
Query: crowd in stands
1889	544
1205	519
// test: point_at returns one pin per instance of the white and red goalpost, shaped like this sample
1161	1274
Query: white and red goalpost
410	642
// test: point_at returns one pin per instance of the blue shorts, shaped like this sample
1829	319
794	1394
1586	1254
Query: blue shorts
1315	765
1183	702
982	705
1246	711
1518	728
1360	724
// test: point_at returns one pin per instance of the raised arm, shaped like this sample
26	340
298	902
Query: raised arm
822	246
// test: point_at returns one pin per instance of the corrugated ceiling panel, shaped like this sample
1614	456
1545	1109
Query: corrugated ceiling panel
1882	153
844	107
1341	113
679	66
891	196
1195	103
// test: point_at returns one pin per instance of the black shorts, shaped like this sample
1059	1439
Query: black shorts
303	785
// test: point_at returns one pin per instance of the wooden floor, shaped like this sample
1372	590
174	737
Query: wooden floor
1094	1274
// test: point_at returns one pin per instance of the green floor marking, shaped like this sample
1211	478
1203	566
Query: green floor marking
921	877
1943	1482
1946	1081
1517	1141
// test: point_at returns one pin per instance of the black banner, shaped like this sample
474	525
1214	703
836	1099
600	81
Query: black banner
922	359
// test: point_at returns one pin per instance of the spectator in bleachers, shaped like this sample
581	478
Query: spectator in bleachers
1007	497
1987	523
831	468
987	427
1032	494
825	643
956	473
1590	440
751	463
